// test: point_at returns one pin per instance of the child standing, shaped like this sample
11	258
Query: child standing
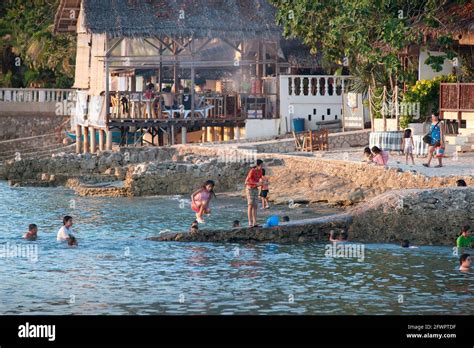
408	145
201	198
264	190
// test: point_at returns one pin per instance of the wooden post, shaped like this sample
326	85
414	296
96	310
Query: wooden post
210	133
92	141
184	132
101	139
204	134
227	133
85	131
222	133
78	139
108	140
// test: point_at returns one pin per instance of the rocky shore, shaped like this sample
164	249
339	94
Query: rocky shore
424	217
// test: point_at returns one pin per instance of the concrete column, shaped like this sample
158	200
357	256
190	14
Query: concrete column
101	139
85	132
108	139
172	134
237	133
93	141
184	135
78	139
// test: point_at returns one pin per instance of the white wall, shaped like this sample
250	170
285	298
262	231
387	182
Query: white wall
313	108
425	72
261	128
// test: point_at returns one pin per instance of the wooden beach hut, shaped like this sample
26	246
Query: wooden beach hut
226	54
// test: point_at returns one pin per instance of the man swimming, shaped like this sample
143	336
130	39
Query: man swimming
65	232
32	233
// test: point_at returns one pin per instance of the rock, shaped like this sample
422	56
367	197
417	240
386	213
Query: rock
45	177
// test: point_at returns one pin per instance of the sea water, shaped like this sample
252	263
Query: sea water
114	270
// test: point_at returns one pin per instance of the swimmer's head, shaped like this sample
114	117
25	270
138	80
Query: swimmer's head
465	230
343	235
405	243
465	260
236	223
33	229
285	218
72	241
461	183
67	221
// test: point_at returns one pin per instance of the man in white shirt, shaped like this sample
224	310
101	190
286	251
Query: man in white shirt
65	232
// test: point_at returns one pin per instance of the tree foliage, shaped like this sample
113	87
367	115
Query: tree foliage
32	56
368	35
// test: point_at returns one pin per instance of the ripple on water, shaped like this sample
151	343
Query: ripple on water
116	271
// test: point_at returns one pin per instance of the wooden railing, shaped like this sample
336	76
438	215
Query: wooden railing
456	97
36	95
140	105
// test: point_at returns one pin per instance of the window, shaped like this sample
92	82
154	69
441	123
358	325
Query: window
329	111
335	117
309	117
322	117
314	111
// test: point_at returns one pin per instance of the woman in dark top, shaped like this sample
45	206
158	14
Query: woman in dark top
437	134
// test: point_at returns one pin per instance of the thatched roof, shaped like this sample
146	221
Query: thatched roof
232	19
455	19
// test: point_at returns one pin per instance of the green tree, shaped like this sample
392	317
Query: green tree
31	54
368	35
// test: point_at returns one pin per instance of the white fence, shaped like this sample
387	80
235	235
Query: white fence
316	98
36	95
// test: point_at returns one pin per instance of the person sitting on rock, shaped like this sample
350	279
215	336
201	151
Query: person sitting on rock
285	219
465	240
32	233
380	157
368	156
465	262
333	237
236	224
201	198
